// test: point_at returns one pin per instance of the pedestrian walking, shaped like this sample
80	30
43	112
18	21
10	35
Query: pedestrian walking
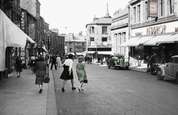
81	72
53	62
18	66
67	73
58	59
151	61
40	68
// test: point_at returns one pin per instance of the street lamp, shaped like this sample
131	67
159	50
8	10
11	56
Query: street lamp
48	34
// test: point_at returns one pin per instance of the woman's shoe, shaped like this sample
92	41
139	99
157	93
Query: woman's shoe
63	90
40	90
78	88
73	88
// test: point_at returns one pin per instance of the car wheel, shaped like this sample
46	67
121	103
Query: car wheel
159	75
127	67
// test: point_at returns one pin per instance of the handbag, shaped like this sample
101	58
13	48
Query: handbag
85	80
46	80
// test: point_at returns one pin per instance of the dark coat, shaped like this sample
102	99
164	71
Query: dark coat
18	65
40	68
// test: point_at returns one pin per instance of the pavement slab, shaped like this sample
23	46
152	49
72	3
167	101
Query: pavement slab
20	96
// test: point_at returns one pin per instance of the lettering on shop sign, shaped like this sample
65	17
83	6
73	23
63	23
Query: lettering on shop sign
156	29
138	34
176	29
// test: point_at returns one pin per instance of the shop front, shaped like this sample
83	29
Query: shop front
12	38
159	38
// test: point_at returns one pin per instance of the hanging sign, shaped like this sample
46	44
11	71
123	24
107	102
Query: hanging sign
153	8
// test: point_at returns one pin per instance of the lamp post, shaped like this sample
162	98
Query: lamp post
48	34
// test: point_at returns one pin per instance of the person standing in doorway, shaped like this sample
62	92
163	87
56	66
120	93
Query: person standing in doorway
18	65
67	73
81	72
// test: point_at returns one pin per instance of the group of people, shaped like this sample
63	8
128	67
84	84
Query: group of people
67	73
41	70
88	59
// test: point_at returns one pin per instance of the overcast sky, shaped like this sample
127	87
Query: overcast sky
71	16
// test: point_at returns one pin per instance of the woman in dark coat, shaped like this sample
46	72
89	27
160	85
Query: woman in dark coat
40	68
67	73
18	66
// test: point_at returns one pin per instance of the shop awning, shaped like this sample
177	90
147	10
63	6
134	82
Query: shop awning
90	52
105	52
71	53
44	48
10	36
175	37
131	42
160	39
143	40
79	53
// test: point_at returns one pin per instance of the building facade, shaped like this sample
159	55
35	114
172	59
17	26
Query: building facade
75	44
153	33
99	36
61	45
120	32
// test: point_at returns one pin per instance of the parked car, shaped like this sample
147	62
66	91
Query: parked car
169	69
118	61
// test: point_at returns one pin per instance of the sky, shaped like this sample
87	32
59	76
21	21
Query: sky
71	16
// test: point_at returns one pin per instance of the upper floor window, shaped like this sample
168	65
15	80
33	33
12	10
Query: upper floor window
104	30
70	49
170	6
91	38
161	8
134	14
146	11
91	30
104	39
139	13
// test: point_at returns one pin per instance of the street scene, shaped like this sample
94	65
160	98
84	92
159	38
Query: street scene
117	92
88	57
108	91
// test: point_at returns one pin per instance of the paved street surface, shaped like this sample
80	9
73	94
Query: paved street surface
117	92
19	96
109	92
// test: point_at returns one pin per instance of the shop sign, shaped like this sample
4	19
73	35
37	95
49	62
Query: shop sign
167	27
156	29
153	8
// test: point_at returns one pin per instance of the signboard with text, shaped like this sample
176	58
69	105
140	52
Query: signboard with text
163	28
153	8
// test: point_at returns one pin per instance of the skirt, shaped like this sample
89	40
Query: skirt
65	74
39	80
